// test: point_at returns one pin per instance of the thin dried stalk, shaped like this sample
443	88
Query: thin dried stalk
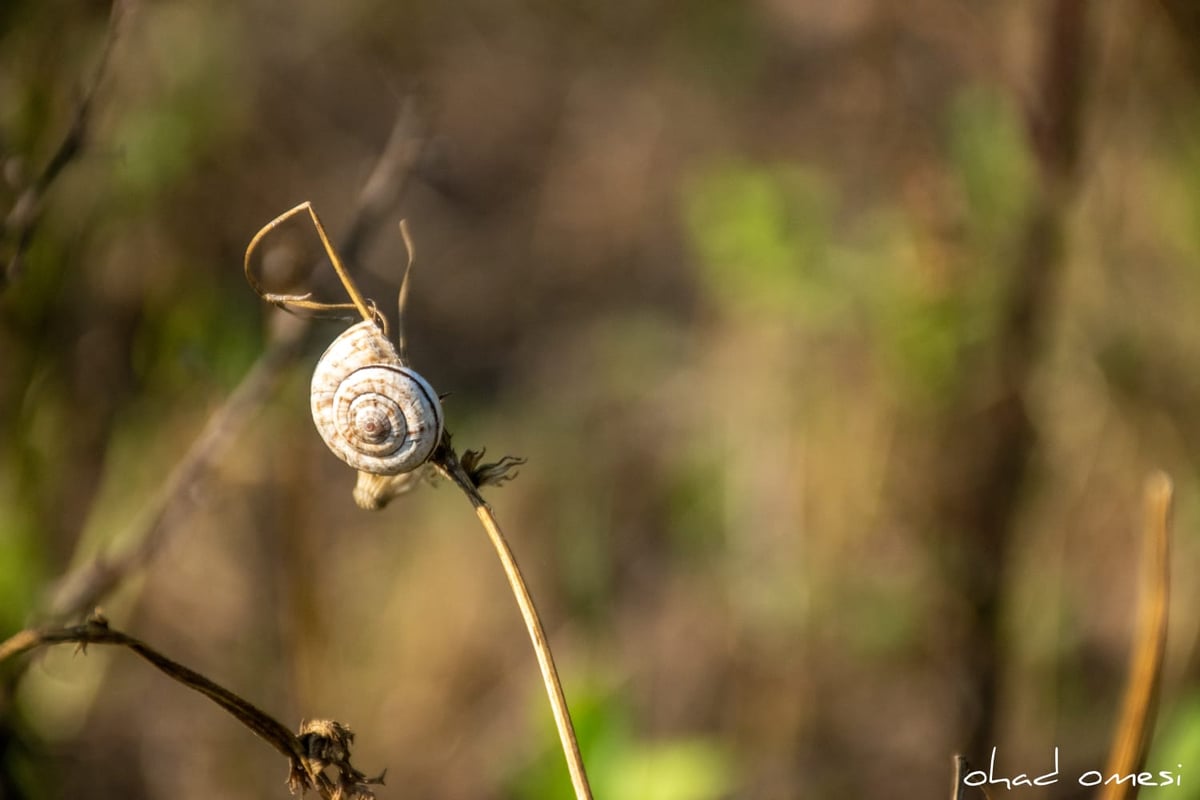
448	464
84	587
987	438
23	218
959	790
1132	738
307	754
960	770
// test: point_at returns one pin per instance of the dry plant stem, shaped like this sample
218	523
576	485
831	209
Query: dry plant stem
96	631
960	769
986	439
81	589
1183	16
305	301
1132	738
22	220
446	460
959	790
84	587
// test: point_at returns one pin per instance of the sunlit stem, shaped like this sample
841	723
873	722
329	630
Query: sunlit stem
448	464
303	301
402	301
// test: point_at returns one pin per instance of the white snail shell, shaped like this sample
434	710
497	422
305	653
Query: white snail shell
374	412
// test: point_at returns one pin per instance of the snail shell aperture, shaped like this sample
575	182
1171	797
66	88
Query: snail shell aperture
374	412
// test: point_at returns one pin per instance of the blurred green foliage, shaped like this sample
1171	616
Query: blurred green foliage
187	103
1177	742
22	564
989	155
622	764
762	233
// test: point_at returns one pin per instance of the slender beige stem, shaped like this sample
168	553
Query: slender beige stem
448	463
960	767
1135	727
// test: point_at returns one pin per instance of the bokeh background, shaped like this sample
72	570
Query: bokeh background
840	339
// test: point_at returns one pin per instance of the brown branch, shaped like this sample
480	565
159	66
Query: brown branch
962	768
989	435
321	743
1136	726
469	479
23	218
84	587
1183	18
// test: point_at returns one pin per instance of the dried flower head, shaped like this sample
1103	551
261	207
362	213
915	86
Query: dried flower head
491	474
326	743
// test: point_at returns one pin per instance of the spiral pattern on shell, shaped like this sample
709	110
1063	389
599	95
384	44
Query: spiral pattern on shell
375	413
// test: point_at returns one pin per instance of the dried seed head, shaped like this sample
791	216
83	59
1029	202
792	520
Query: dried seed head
491	474
326	743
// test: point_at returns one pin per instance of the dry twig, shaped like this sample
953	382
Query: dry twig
989	434
1132	738
22	220
960	771
469	478
320	744
84	587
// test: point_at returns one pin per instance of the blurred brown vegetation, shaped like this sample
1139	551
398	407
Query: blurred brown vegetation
840	338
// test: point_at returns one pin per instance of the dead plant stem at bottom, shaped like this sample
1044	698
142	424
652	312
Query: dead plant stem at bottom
306	753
